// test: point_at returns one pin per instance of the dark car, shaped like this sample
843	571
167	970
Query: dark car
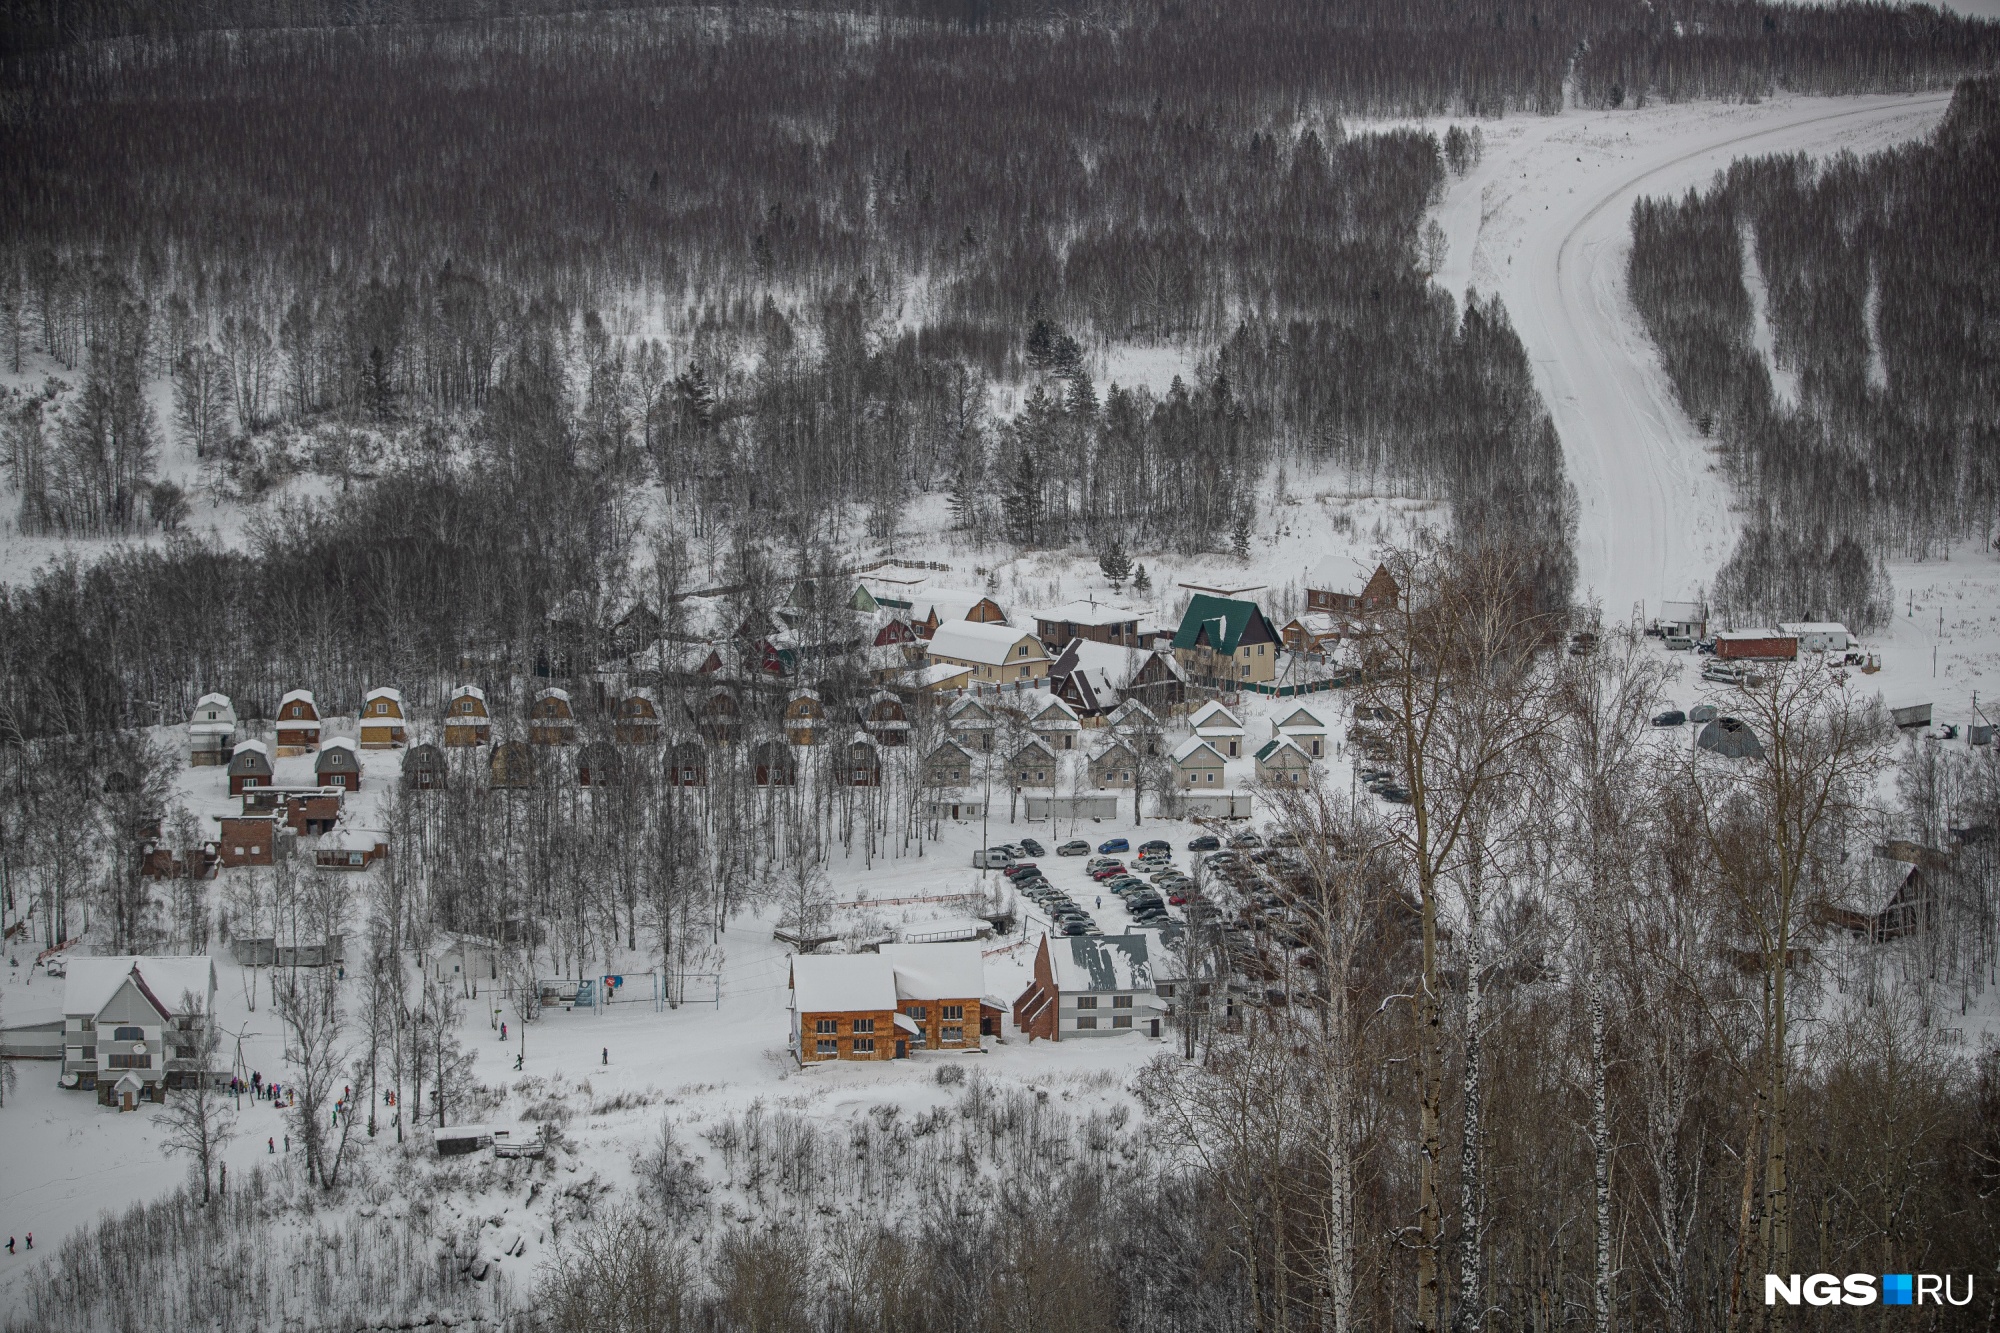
1157	845
1074	847
1033	848
1673	717
1285	838
1110	845
1397	795
1207	842
1073	928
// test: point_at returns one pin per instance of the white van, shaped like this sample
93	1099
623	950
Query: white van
991	858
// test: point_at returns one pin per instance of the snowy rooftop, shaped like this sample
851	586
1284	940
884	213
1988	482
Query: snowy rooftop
91	982
1101	963
1090	611
986	643
950	971
842	983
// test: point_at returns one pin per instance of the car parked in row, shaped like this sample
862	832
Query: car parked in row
1033	848
1114	845
1074	847
1207	842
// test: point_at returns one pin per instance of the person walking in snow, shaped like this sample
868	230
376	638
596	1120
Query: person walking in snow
607	1055
10	1244
503	1032
271	1146
31	1240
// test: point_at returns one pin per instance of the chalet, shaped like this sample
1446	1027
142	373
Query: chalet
512	767
350	849
1327	582
941	988
551	718
1099	622
772	765
1819	636
1055	723
1090	986
935	607
637	628
1280	761
1226	640
384	722
246	840
466	721
804	716
1197	764
134	1026
1114	766
1220	728
687	764
249	766
311	811
1307	728
844	1007
1132	716
1033	765
636	719
995	653
886	719
864	762
338	765
895	632
210	727
424	769
719	716
971	724
599	764
949	765
1092	678
297	724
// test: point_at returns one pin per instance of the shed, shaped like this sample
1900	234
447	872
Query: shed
1731	738
461	1140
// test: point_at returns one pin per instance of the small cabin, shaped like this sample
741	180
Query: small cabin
297	724
466	721
971	724
384	721
1197	764
1056	724
551	718
1114	767
719	716
636	719
338	765
886	719
1282	763
1307	729
350	849
772	765
249	766
804	714
949	765
246	840
1033	765
512	767
210	728
864	763
687	764
598	765
424	769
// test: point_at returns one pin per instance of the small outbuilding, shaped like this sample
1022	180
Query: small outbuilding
1731	738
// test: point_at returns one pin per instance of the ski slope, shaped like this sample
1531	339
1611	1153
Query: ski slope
1544	221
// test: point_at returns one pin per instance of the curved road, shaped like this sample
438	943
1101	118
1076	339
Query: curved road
1545	219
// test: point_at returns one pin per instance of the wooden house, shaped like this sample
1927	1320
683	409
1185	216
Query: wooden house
313	811
466	721
844	1007
1114	766
971	724
949	765
1314	633
338	765
864	762
249	766
687	764
1197	764
350	849
297	724
804	716
1099	622
1306	727
1090	986
772	765
512	767
1055	723
994	653
1033	765
129	1029
551	718
424	769
1132	718
1328	584
1227	641
246	840
1280	761
935	607
636	719
941	989
384	721
210	728
1093	678
599	764
886	719
719	716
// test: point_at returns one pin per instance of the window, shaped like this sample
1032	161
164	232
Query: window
131	1062
249	782
954	1034
1122	1021
952	1013
1024	672
239	851
826	1027
1086	1001
129	1034
184	1052
919	1012
1021	651
88	1025
864	1025
1121	1002
864	1046
826	1047
1165	990
1086	1024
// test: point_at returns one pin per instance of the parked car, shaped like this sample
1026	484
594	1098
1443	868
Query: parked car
1114	845
1177	899
1702	713
1285	838
1014	849
1074	847
1097	863
1157	845
1245	839
1109	872
1207	842
1033	848
1022	868
1673	717
1394	794
1722	673
1073	928
991	858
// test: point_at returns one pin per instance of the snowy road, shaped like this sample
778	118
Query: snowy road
1544	220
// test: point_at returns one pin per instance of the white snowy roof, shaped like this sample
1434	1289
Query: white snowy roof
1680	612
304	696
469	692
953	971
938	672
1089	611
552	693
1109	748
979	641
394	696
968	712
1813	627
1034	746
337	743
91	982
255	747
218	702
344	839
1338	572
1189	751
944	603
1132	711
1101	963
1302	721
842	983
1055	715
1215	720
1749	634
1113	663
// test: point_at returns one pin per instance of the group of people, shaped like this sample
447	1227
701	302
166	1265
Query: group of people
265	1092
10	1242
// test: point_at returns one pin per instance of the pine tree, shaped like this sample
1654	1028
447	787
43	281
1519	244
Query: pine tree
1141	580
1116	565
1239	534
1023	504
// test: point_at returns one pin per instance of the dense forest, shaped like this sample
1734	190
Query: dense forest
1870	429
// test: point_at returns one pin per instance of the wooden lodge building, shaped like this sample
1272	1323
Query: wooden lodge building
338	765
889	1005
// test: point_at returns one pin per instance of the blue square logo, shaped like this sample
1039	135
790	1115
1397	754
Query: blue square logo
1896	1288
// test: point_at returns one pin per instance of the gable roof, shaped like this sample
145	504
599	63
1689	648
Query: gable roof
394	696
1055	715
988	643
1214	717
948	971
299	696
1301	720
1275	750
338	756
1110	748
1034	744
91	982
1189	751
1100	962
969	712
842	983
1089	611
1132	712
1225	618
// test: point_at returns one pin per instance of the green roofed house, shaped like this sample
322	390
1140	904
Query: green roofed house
1227	639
